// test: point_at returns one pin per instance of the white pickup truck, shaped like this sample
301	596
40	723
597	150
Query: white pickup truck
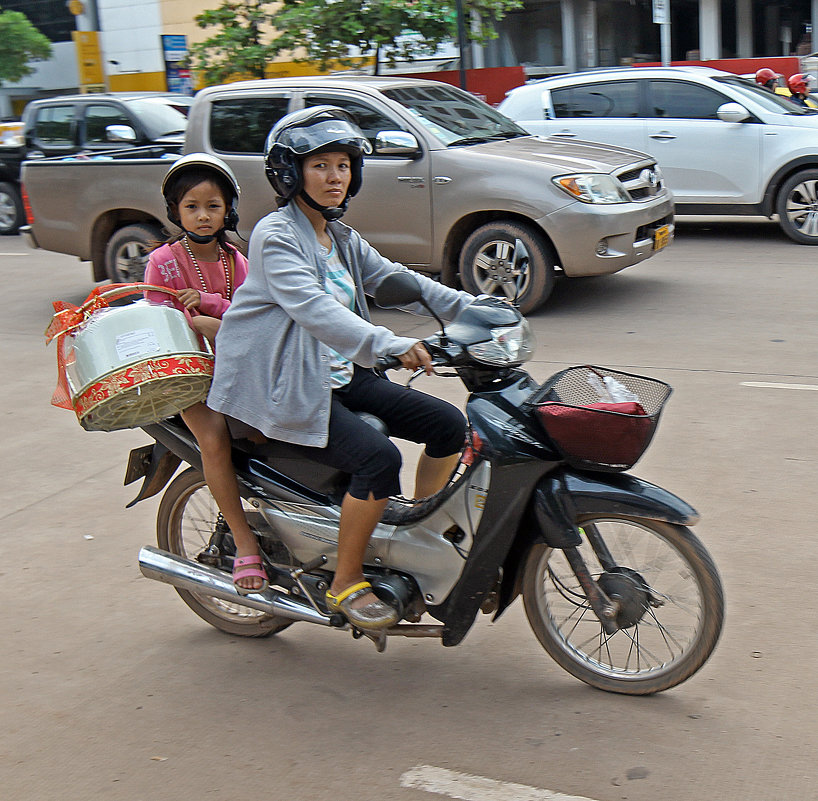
453	188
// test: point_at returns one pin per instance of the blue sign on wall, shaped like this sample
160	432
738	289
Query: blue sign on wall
174	48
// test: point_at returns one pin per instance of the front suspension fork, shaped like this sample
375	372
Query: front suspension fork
605	608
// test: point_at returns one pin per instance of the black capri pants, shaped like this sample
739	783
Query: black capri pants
371	458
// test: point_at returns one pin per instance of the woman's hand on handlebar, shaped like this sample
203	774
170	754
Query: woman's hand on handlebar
417	356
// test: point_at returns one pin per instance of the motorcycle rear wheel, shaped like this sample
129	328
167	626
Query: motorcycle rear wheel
672	606
184	525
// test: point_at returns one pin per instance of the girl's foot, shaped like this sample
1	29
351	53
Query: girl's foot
249	574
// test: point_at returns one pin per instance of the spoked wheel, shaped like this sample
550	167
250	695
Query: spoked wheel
187	518
669	599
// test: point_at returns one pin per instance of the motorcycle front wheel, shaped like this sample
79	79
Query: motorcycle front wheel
669	599
185	523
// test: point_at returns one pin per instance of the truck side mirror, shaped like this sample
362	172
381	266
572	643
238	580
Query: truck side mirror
120	133
396	143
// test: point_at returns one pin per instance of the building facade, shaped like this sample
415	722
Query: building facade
545	36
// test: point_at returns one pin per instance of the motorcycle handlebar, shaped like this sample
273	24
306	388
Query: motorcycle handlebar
388	363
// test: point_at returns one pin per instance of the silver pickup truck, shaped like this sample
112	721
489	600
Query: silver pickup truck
453	188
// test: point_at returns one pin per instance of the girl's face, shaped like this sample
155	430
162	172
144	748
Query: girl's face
202	209
327	177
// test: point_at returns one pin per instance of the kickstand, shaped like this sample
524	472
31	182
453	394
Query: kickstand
377	637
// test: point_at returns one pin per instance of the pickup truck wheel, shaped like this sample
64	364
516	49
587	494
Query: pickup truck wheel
494	256
11	209
797	207
126	255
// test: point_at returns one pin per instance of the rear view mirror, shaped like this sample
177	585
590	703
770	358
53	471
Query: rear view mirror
120	133
732	112
396	143
398	289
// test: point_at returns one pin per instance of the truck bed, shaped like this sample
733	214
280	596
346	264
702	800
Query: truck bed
72	196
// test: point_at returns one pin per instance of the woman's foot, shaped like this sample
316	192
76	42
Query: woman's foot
361	607
249	574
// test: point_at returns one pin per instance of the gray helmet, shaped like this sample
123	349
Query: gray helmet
313	130
202	162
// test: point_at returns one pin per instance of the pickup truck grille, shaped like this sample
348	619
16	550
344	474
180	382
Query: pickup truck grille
643	182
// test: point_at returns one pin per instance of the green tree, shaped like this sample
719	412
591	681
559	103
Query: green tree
323	31
22	44
241	46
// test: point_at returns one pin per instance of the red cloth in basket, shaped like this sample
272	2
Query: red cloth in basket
591	433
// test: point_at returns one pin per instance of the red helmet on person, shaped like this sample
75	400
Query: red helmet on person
798	83
765	75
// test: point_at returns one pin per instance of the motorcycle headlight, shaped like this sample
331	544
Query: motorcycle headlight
508	345
592	188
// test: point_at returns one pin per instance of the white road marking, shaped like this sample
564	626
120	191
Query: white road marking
467	787
770	385
14	254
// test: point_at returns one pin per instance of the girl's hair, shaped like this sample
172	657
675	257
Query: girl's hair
187	180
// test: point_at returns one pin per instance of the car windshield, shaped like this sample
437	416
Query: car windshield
453	116
159	116
780	104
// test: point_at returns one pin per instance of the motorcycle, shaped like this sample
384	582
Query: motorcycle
615	586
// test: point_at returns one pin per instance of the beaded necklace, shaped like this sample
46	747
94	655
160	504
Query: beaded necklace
222	258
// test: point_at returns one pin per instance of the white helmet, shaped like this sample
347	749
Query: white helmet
202	163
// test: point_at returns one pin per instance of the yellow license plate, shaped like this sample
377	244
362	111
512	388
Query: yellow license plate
661	237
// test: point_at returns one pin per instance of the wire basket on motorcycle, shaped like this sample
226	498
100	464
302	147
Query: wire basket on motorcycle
597	418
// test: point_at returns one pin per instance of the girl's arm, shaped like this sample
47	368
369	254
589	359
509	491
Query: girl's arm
162	270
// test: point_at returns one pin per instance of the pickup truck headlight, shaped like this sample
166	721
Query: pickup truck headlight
513	344
592	188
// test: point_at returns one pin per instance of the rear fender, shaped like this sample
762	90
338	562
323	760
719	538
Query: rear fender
153	463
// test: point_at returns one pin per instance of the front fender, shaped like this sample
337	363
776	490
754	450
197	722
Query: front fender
561	497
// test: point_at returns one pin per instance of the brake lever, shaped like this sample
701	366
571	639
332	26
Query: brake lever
420	371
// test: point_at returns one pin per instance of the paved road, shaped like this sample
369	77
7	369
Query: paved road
112	689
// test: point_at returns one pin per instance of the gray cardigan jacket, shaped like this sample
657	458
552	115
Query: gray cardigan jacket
273	348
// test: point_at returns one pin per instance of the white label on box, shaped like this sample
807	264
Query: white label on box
137	343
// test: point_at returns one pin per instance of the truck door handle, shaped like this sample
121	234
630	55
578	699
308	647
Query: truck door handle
663	135
566	134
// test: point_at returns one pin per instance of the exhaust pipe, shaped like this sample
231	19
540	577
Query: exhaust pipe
171	569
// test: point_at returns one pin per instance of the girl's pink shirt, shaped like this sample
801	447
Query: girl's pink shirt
170	265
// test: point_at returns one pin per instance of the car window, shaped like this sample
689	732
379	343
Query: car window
370	120
684	101
606	99
771	102
454	116
526	104
98	118
158	117
55	125
241	125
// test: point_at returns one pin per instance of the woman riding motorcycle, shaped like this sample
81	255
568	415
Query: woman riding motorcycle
297	345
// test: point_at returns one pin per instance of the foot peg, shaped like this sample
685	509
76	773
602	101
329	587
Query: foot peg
377	637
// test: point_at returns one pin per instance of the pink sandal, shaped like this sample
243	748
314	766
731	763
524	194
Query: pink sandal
242	569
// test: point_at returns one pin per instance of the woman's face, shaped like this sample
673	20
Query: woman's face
327	177
202	209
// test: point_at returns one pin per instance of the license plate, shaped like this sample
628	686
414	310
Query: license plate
661	237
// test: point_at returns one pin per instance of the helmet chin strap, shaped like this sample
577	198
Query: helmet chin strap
329	213
199	239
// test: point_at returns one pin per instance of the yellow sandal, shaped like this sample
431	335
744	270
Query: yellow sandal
375	615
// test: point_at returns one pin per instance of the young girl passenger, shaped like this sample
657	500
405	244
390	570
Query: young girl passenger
201	195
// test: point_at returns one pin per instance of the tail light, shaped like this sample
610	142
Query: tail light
27	205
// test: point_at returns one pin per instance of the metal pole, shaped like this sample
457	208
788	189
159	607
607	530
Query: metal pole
462	42
664	29
661	17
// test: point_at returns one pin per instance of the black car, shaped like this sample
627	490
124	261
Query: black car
74	124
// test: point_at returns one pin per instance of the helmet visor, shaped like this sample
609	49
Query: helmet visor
304	140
